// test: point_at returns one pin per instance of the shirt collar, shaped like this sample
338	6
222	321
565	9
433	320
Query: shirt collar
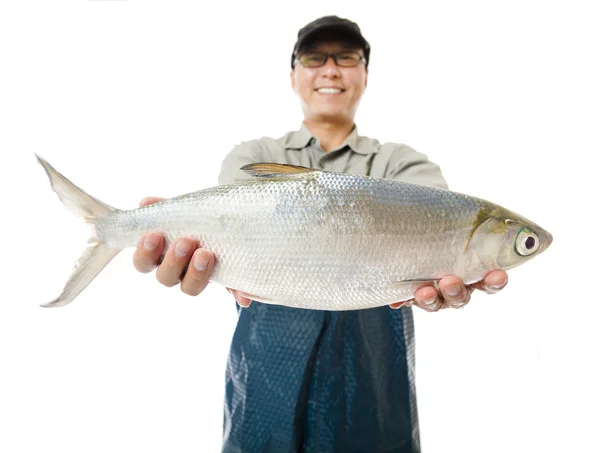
299	139
302	138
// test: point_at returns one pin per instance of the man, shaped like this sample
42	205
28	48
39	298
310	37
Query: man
309	380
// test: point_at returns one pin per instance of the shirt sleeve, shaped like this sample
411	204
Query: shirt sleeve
242	154
406	164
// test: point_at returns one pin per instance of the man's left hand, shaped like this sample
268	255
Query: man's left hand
453	293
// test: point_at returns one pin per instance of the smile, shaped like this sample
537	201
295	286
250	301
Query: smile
329	90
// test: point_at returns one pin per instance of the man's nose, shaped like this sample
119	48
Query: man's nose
330	67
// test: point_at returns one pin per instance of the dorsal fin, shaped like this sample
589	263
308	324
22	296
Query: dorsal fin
271	170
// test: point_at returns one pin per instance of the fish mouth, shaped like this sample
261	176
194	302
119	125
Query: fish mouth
547	239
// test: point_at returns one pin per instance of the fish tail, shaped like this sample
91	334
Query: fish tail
97	255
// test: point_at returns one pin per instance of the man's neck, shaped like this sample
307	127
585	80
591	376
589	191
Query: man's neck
330	135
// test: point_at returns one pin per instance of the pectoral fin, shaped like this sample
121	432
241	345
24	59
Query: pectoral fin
411	283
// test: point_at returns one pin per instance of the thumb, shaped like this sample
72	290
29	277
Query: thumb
150	200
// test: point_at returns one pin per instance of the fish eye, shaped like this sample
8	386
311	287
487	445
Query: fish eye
527	242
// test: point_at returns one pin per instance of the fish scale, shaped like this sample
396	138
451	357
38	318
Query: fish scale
317	240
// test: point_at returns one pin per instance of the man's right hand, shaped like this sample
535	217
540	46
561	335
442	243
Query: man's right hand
183	258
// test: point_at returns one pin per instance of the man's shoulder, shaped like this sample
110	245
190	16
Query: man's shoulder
400	151
265	142
385	149
263	149
397	160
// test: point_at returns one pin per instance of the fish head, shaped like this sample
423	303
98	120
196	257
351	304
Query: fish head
502	239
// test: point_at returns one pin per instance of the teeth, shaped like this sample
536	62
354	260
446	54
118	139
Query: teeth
329	90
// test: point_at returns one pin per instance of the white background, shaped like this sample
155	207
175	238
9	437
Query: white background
136	98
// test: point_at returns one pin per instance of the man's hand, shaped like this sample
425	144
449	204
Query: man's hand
454	293
183	262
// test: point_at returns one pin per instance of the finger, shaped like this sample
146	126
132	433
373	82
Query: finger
242	301
454	292
493	282
150	200
405	303
428	298
148	252
198	272
176	260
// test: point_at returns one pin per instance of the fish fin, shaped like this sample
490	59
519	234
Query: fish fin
415	281
75	199
271	170
97	255
89	265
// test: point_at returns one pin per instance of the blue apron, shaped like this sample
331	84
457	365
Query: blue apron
321	382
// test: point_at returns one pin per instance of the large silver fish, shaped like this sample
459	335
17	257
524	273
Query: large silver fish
313	239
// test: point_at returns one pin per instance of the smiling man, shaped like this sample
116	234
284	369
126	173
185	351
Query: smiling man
307	380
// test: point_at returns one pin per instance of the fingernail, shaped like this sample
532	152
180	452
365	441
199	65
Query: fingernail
151	242
430	302
200	262
452	290
498	286
182	248
459	304
494	288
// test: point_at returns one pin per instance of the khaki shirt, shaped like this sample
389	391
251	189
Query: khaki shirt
357	155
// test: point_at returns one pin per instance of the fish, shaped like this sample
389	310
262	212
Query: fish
312	239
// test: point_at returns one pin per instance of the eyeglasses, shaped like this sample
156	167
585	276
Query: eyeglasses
317	59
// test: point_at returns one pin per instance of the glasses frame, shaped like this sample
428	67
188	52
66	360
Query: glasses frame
334	56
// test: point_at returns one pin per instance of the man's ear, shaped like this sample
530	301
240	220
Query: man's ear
293	80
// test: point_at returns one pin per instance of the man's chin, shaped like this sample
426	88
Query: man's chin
334	116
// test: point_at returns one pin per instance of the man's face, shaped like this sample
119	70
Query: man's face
330	92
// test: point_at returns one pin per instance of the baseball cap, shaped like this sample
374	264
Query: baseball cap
334	26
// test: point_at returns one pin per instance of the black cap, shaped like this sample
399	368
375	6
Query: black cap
331	27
